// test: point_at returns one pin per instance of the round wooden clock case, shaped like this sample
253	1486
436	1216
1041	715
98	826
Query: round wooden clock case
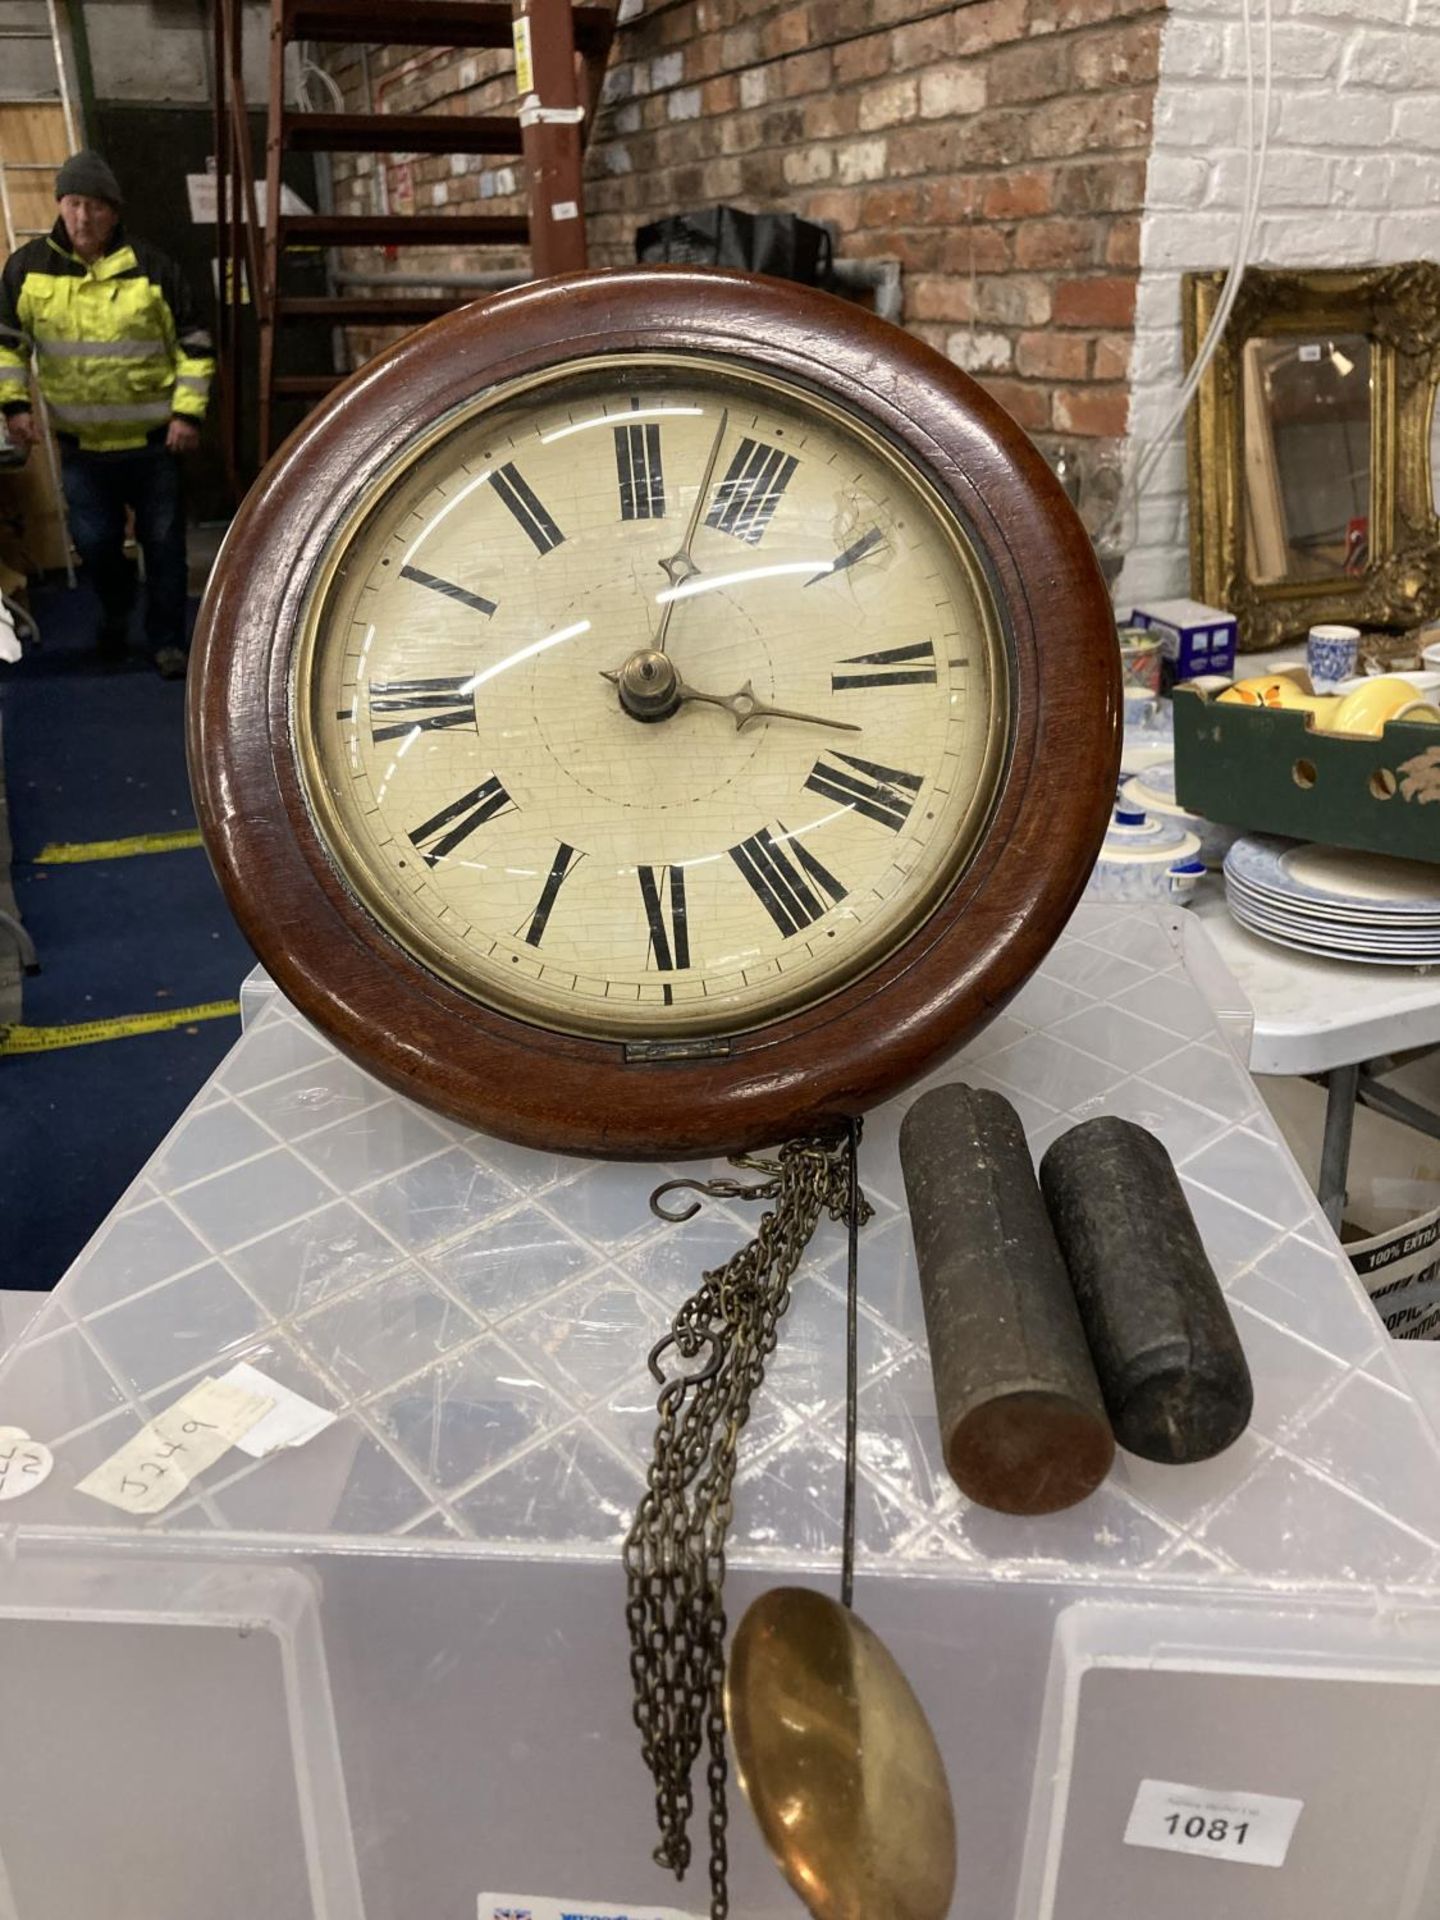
679	1083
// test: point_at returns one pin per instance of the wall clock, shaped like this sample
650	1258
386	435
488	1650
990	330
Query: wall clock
654	713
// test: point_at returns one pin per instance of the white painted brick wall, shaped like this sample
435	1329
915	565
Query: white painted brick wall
1353	179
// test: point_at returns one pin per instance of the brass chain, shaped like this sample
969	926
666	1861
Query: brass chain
675	1551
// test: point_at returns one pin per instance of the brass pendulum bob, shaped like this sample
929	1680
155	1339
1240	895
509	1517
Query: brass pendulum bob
833	1750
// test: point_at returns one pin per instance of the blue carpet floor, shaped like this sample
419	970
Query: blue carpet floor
100	755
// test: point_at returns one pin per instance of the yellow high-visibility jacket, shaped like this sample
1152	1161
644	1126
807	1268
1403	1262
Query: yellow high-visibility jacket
119	344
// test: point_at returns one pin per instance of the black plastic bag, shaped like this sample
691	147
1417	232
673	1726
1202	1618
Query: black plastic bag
781	244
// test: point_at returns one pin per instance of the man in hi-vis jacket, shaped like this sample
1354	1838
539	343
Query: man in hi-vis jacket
124	361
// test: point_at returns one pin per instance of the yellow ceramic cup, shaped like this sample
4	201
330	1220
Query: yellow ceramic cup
1366	710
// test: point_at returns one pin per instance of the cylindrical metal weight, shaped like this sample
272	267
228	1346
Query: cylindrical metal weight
1170	1362
1021	1417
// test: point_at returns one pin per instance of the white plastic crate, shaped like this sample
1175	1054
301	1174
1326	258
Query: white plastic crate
436	1700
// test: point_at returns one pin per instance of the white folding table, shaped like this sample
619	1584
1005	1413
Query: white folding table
1330	1019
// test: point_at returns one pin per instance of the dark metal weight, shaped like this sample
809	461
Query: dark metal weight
1021	1416
1170	1362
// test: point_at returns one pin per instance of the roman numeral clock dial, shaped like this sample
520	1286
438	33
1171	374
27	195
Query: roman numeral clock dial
654	703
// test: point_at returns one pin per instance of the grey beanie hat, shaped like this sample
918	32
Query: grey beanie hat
89	173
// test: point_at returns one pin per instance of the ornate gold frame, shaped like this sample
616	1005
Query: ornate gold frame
1398	308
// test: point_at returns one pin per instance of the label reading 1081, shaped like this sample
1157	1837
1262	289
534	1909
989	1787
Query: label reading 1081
1197	1827
1251	1829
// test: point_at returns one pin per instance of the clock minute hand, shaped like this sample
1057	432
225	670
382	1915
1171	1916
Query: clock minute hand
679	567
856	551
746	706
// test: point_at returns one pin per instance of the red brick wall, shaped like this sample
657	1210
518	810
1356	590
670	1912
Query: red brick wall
997	149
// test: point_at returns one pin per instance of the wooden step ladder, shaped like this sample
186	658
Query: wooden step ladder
561	49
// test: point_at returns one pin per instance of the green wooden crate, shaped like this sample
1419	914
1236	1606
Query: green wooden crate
1267	769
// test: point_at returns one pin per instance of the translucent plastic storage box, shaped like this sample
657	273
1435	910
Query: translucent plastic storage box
385	1672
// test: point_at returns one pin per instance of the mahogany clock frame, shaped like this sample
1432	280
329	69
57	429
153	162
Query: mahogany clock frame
810	1068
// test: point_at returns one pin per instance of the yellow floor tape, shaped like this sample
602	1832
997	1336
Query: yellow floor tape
64	853
85	1033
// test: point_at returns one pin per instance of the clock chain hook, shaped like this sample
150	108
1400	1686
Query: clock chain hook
719	1189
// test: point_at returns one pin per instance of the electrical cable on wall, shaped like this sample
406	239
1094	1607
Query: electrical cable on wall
310	69
1257	130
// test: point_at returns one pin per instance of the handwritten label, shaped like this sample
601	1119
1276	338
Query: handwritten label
530	1906
524	64
1251	1829
156	1466
24	1463
291	1421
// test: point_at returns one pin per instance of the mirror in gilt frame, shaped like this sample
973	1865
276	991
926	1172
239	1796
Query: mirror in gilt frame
1311	490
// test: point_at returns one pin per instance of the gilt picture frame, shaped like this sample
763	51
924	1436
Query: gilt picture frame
1390	579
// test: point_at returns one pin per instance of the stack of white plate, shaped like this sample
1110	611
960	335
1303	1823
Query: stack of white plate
1330	901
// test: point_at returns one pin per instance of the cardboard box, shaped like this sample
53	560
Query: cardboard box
1194	639
1269	770
1400	1270
32	524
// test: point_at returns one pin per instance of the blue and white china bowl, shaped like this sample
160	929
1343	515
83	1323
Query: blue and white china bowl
1146	860
1152	791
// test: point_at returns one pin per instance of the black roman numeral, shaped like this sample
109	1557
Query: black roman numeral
526	507
432	706
669	943
565	862
868	787
476	602
439	836
637	466
780	884
890	667
746	499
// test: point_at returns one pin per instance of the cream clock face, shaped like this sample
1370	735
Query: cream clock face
651	698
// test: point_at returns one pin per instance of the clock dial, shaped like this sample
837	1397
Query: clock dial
654	697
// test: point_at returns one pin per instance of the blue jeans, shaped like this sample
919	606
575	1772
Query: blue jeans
98	489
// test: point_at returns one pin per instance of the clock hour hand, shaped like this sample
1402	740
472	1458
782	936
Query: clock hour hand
679	567
746	706
650	689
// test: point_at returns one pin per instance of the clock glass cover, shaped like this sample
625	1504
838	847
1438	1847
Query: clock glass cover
655	696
